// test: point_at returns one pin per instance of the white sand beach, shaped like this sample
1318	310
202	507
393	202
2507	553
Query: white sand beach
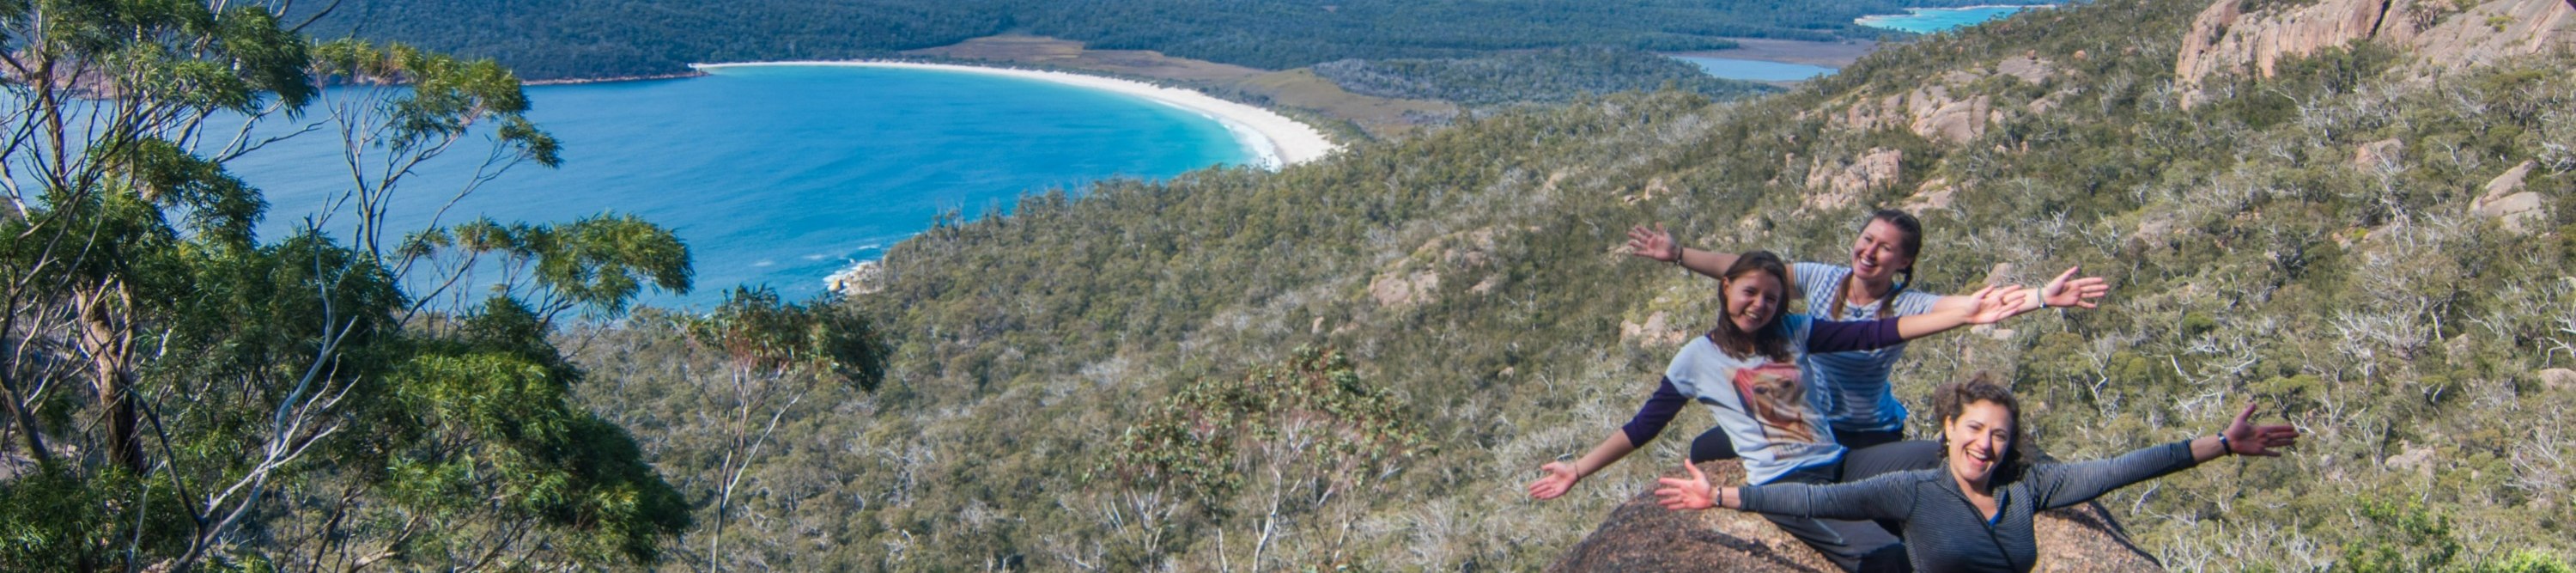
1273	138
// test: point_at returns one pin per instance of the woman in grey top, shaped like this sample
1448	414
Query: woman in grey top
1975	514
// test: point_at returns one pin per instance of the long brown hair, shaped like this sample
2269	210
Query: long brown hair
1771	339
1911	245
1950	399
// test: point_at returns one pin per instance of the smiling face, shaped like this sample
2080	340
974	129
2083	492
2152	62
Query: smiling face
1977	441
1881	251
1752	299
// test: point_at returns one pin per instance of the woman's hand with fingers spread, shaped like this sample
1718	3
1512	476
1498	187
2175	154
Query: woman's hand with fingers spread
2068	290
1996	303
1693	493
1654	243
2246	439
1560	477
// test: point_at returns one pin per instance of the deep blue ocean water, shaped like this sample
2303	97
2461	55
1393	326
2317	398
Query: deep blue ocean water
1931	20
781	175
1756	70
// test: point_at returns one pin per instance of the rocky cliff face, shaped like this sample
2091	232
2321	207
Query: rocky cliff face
2440	34
1643	536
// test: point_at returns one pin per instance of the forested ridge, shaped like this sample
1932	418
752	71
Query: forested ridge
1551	76
616	38
1349	364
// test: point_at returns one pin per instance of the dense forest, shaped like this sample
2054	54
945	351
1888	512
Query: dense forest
612	38
1551	76
1350	364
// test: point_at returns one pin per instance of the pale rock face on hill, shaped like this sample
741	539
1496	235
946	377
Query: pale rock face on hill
2438	33
2505	201
1842	183
1643	536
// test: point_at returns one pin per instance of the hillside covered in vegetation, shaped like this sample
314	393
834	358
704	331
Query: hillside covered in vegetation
1359	362
2356	213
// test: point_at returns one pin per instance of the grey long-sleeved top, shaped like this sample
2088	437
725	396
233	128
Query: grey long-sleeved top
1943	531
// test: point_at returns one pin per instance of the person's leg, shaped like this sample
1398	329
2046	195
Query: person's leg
1864	463
1855	546
1712	445
1861	439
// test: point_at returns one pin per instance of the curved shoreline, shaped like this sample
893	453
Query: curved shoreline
1275	140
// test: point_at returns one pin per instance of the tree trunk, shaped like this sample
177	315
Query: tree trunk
109	341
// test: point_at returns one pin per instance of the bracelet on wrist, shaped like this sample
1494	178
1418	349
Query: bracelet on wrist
2224	448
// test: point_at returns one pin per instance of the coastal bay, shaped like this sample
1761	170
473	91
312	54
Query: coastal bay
1274	139
789	174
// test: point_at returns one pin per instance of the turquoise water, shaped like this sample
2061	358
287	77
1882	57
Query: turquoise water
782	175
1756	70
1931	20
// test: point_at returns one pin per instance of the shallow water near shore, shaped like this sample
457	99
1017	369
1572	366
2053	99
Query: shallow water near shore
1755	70
1934	20
779	175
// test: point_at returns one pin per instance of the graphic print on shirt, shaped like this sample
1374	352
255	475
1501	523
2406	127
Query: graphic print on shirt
1776	398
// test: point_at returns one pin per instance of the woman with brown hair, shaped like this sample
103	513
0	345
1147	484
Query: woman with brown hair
1875	283
1974	514
1746	370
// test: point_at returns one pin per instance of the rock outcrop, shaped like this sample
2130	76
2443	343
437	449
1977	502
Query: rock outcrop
2224	38
1930	111
2382	154
1643	536
1841	183
2505	201
1415	279
867	277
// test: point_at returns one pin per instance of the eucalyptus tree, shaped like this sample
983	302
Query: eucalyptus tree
181	394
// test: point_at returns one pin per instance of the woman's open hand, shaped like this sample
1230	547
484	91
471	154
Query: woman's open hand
1560	477
1996	303
1694	493
1653	243
2067	290
2246	439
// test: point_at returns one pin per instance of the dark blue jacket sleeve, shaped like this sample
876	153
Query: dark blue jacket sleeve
1657	412
1838	336
2061	485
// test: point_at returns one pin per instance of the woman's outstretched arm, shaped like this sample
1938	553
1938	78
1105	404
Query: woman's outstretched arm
2067	290
2061	485
1649	422
1659	245
1887	496
1993	304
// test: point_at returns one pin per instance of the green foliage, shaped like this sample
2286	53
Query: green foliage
2408	537
1544	76
760	334
184	396
1202	437
600	262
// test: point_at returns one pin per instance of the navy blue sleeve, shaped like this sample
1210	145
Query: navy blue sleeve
1651	417
1838	336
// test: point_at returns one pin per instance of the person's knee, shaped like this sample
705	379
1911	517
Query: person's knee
1712	445
1889	558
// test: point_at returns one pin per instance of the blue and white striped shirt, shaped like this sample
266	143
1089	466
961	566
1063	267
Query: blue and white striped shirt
1861	398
